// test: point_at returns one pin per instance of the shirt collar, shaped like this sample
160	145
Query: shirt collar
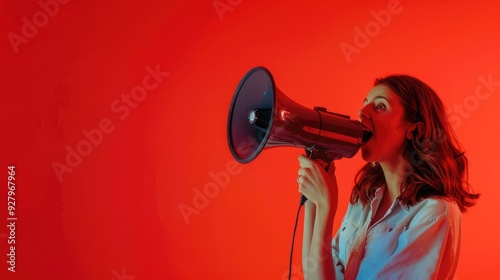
379	192
404	206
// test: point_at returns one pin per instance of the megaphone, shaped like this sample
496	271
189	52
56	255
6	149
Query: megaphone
262	117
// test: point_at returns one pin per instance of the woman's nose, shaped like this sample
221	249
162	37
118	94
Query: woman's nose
363	113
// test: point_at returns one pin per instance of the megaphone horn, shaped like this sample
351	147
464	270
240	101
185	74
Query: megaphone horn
261	116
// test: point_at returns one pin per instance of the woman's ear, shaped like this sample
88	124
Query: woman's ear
415	131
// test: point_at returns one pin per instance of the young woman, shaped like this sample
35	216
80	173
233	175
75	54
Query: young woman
404	216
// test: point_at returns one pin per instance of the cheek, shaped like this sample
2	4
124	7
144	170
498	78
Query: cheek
386	129
392	126
391	135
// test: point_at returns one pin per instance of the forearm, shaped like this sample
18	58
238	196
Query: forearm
309	217
322	192
319	260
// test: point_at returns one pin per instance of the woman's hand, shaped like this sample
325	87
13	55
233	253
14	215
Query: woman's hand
317	185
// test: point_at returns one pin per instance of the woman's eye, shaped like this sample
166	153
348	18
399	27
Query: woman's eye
380	106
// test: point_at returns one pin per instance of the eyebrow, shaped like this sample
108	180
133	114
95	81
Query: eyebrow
376	97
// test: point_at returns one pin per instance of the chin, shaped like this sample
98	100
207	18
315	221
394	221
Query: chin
366	154
370	154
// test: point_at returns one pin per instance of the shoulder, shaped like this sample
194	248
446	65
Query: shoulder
436	209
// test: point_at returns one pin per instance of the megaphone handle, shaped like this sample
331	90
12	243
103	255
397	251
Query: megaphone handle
322	158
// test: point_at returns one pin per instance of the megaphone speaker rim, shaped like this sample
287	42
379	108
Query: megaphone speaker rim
230	115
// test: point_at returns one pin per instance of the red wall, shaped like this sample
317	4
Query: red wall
107	153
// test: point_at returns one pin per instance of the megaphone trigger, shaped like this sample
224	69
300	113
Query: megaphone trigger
323	157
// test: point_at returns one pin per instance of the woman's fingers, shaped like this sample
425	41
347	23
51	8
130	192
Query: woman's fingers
306	162
314	182
305	172
304	183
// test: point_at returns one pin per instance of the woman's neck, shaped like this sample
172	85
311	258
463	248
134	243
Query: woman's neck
393	173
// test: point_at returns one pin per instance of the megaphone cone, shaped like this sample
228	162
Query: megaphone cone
261	116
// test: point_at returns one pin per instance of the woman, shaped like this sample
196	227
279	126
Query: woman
404	216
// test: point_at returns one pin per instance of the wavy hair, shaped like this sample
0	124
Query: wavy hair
434	163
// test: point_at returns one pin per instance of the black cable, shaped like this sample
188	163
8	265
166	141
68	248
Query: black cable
293	237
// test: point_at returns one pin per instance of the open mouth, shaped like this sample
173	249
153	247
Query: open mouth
367	135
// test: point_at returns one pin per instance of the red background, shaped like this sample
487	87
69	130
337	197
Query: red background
117	215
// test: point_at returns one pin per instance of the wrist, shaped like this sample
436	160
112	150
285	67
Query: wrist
325	212
327	204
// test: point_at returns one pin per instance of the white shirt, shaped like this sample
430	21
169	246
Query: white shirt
417	242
